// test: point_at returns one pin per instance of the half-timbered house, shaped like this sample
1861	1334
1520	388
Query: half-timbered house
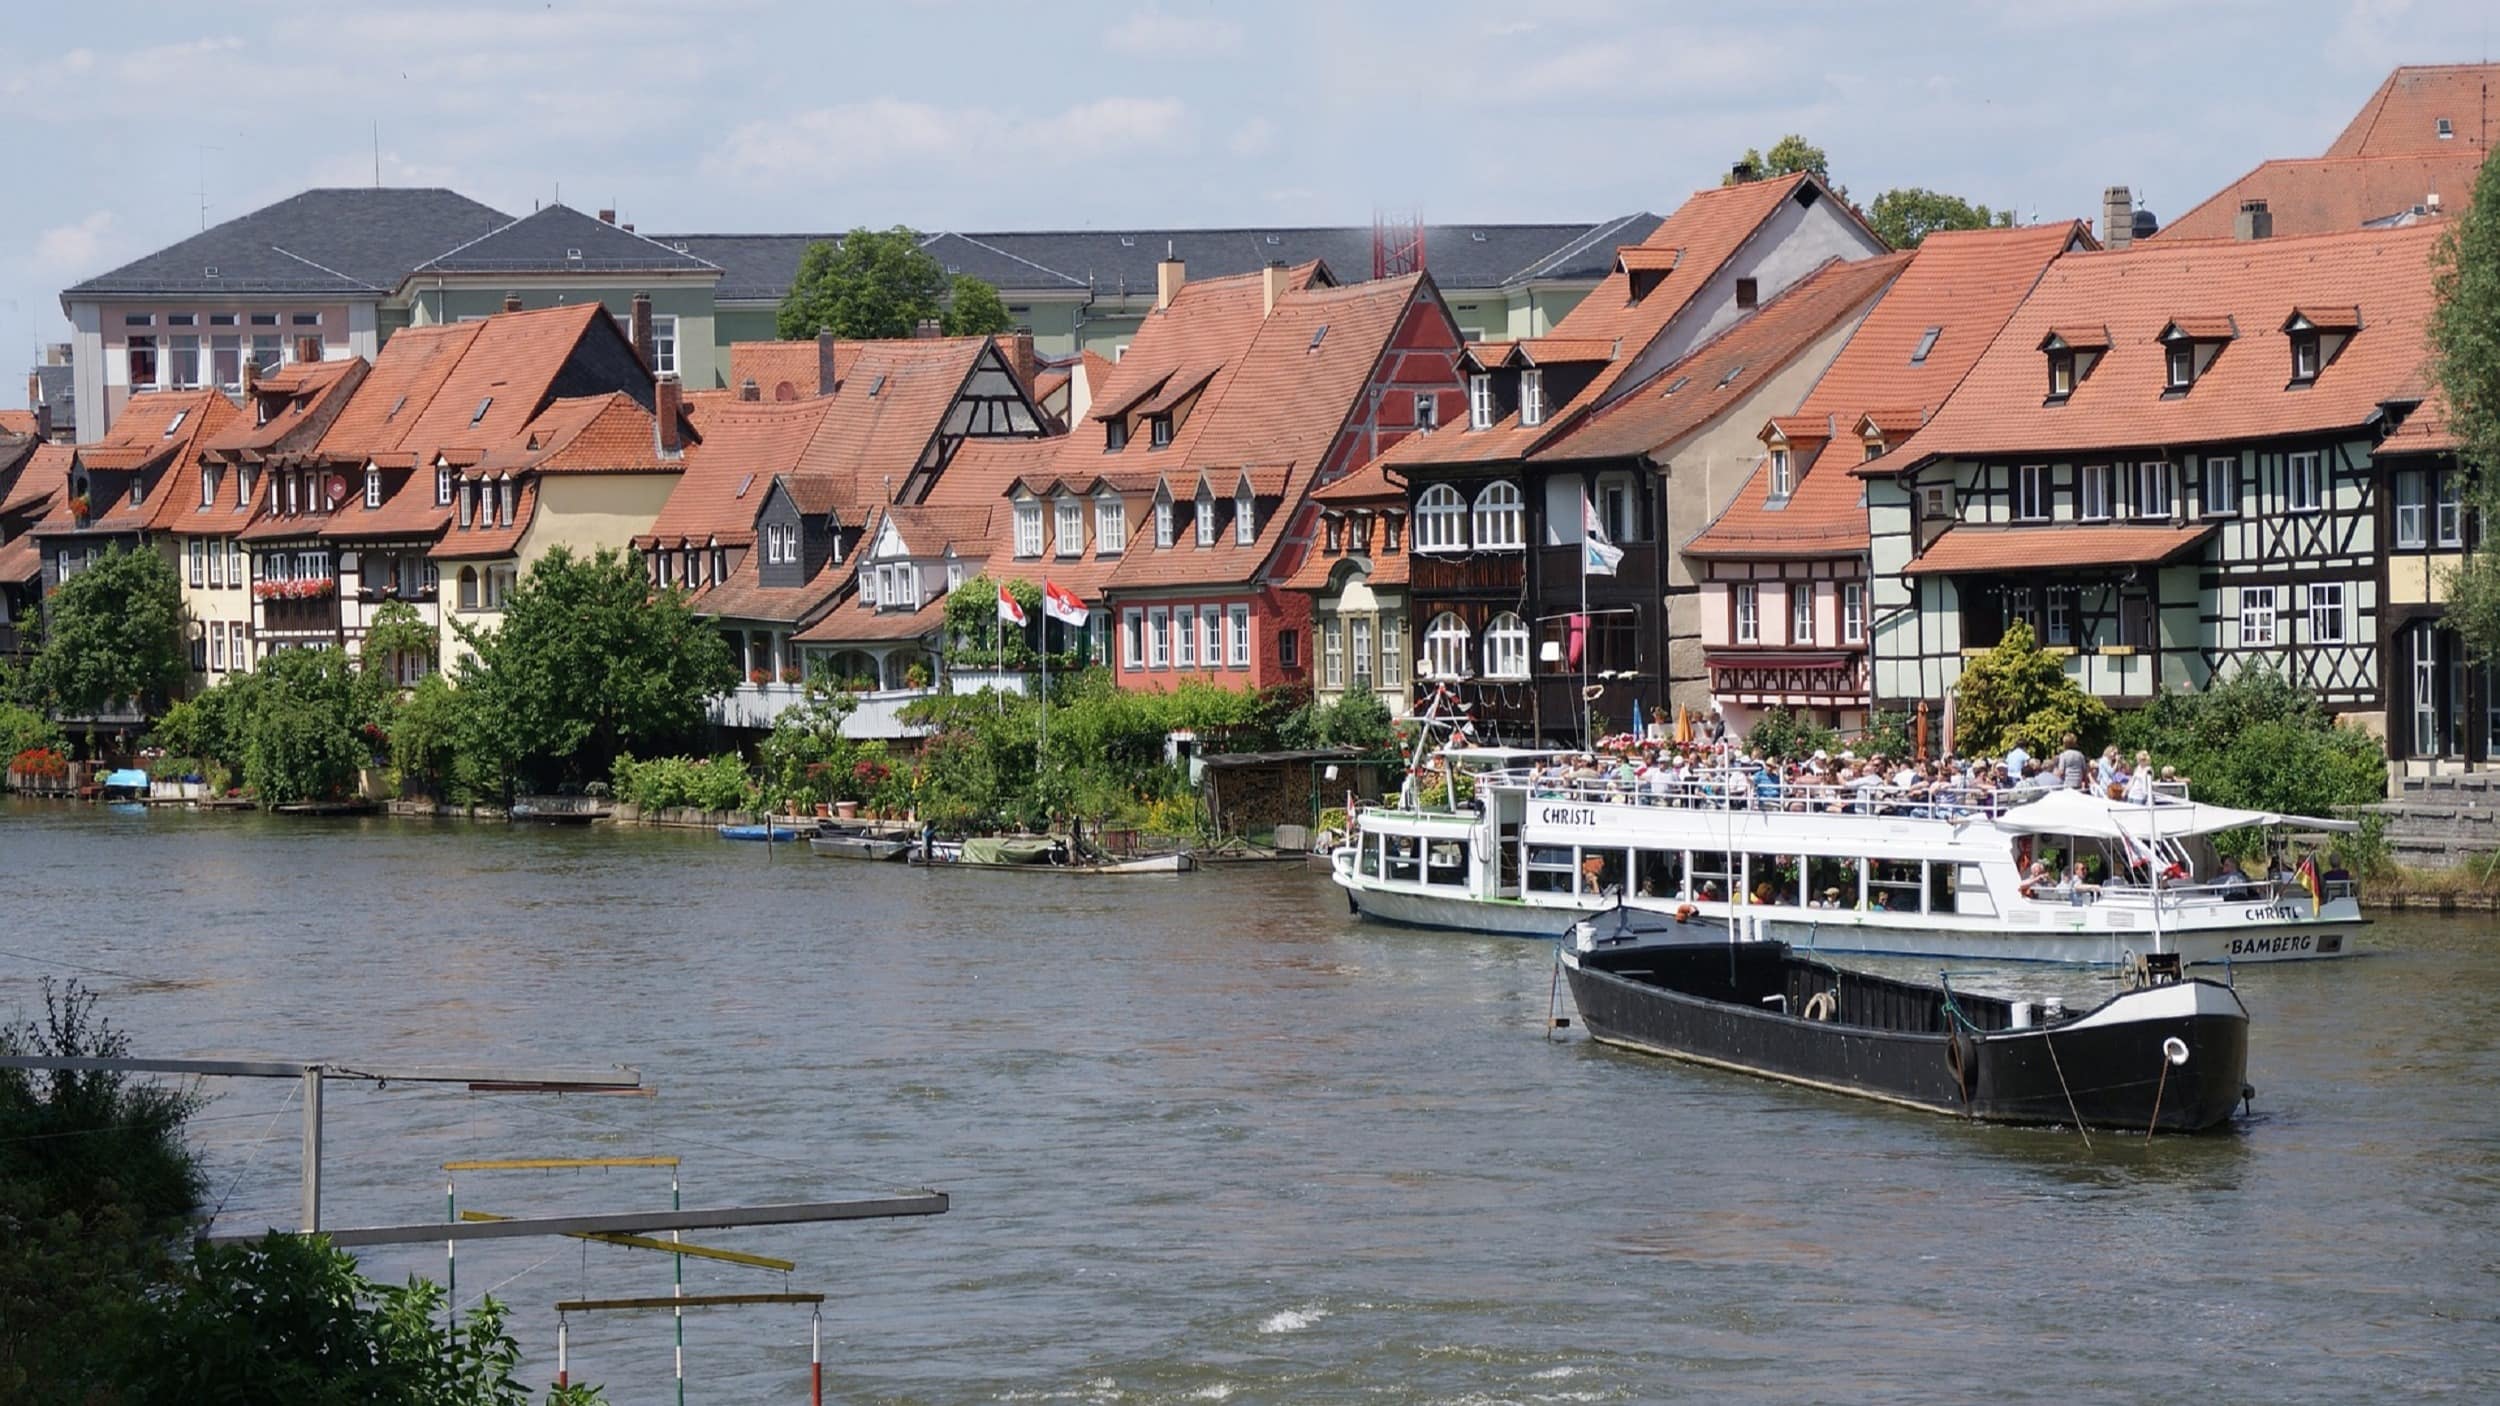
2443	706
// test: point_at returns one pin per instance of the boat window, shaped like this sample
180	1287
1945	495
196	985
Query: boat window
1445	862
1659	873
1403	854
1711	879
1894	885
1974	892
1550	869
1771	878
1602	871
1940	888
1368	861
1831	882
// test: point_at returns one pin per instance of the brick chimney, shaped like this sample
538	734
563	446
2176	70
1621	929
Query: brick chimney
251	375
639	325
1170	274
827	377
2117	218
1271	286
607	217
1017	347
928	329
2255	221
748	390
667	405
511	302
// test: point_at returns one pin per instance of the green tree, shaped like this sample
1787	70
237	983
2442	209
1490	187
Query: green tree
2017	694
2256	741
2465	360
1788	156
114	632
22	728
303	736
881	283
806	758
441	746
589	665
1907	215
396	629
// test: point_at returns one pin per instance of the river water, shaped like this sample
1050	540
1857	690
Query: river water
1209	1140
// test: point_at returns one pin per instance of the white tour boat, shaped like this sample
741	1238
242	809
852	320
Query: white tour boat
1840	870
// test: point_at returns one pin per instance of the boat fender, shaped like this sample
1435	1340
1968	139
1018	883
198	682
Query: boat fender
1821	1006
1961	1057
2175	1050
1684	912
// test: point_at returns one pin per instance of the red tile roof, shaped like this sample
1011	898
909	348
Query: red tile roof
597	434
2402	117
155	434
19	422
1963	285
44	477
2242	394
745	445
484	543
379	418
2326	196
781	370
20	562
1966	548
504	377
854	623
744	597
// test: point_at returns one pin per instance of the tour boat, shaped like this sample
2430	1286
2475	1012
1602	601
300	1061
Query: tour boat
2170	1054
1840	870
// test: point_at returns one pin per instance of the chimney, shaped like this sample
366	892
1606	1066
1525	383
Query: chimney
826	380
58	353
666	406
748	390
607	217
1271	286
511	302
2255	221
2117	218
2431	202
628	228
929	329
1017	347
1170	274
251	375
645	346
1741	173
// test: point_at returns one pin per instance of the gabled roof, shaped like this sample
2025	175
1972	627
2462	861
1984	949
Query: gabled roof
353	242
43	478
746	444
155	431
2402	117
931	531
2244	393
379	419
302	399
1960	284
744	596
504	376
561	239
780	370
2328	195
596	434
1964	548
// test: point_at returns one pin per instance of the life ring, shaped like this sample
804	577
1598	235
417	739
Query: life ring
1822	1005
1962	1059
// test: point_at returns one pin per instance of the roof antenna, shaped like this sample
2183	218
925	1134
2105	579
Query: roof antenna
377	154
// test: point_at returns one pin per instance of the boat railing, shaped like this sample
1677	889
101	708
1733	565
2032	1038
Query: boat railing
2237	889
1732	790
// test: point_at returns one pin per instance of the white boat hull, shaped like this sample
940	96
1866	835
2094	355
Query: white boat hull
1436	910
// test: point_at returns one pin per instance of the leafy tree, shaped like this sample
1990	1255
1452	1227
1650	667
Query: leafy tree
23	728
589	665
115	632
303	736
2465	359
975	309
2256	741
881	283
1780	735
441	746
806	758
1357	719
1787	156
397	629
1907	215
2016	694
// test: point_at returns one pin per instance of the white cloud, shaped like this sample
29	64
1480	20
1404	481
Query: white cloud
1155	33
75	248
883	133
1256	137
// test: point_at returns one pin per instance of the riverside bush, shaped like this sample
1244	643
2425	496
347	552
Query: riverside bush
693	783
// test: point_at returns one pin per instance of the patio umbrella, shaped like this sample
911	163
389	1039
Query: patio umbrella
1948	724
1683	726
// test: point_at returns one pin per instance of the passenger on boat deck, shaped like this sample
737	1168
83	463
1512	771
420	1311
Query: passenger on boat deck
2078	886
2106	770
2233	883
2015	759
2037	878
2071	764
2140	780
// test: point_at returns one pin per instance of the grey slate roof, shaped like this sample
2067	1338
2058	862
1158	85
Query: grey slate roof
561	239
343	242
57	386
759	267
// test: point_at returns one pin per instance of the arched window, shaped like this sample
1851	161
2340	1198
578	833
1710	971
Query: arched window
1506	647
1440	520
1501	518
1446	647
468	588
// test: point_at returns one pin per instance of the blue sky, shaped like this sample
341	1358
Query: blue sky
754	115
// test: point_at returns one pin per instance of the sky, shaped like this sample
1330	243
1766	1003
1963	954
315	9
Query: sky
134	124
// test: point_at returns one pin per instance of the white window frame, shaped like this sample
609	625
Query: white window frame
1480	401
1362	664
1500	518
2057	618
1331	654
663	344
2448	508
2304	482
1184	638
1159	637
1211	636
216	565
198	555
2412	492
373	487
1203	511
1237	622
1392	652
1531	396
1068	526
2153	475
1506	647
1801	612
1783	475
1446	647
442	485
1853	612
2327	612
1440	520
2031	493
1748	625
1245	517
1163	522
1110	526
2423	642
1132	638
2220	484
2092	492
1029	527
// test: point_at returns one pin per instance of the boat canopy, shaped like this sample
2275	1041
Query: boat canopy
129	778
1475	759
2081	813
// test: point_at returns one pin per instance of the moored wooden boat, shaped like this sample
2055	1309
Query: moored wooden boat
2170	1055
775	834
836	841
1024	854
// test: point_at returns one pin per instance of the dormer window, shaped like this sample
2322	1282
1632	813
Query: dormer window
1158	430
1029	528
1110	525
208	488
1480	401
2190	346
138	489
373	487
1532	397
1359	531
511	498
1245	517
1114	435
2304	357
2182	366
1070	522
2061	374
2072	352
468	505
442	486
1206	516
1163	520
1783	474
1874	448
1333	528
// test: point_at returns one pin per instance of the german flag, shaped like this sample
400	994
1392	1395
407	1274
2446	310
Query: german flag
2308	876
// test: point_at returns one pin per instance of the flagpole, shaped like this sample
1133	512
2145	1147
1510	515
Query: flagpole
1587	626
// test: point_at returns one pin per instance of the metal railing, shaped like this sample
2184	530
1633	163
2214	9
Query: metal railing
1742	789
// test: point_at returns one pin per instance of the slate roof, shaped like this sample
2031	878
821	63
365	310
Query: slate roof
561	239
2402	117
2326	195
57	386
337	242
760	267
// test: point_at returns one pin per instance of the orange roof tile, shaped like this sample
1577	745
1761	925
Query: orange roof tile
44	477
1966	548
780	370
2402	117
1367	484
379	417
2327	196
743	596
2200	329
18	422
2078	337
2340	318
1551	351
983	469
479	543
855	623
20	562
156	434
598	434
1647	258
745	444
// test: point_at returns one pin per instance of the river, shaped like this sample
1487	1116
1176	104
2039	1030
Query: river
1209	1140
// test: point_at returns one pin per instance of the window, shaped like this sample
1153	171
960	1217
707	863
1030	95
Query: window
1389	525
1427	410
1289	644
1506	647
2221	487
1028	529
1445	862
2092	492
2182	363
1237	622
225	356
1748	613
2411	517
2426	710
1245	518
2031	492
1184	638
2304	356
2304	484
1783	478
183	363
294	482
2152	489
217	645
664	344
2451	509
1853	613
442	487
1801	613
1926	344
1532	397
1163	522
1332	533
2326	612
142	353
1935	501
199	562
138	489
2058	625
1110	526
1440	520
1748	292
1445	647
1479	401
1071	527
216	564
1159	638
1158	430
1114	435
1501	517
1359	650
1211	634
1332	655
1132	638
1206	516
1615	512
373	487
468	588
2061	374
304	319
1392	652
484	404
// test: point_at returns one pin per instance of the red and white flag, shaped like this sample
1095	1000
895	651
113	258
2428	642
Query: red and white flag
1008	610
1061	604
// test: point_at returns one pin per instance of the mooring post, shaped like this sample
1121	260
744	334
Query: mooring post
816	1358
312	1148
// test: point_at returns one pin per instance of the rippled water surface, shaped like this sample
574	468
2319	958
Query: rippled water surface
1208	1140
